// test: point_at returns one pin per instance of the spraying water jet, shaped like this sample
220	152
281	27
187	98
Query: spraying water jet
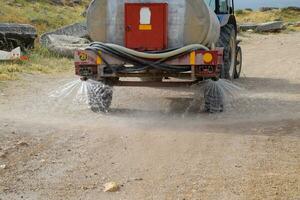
93	94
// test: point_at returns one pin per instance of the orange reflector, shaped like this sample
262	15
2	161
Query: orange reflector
145	27
193	58
207	57
99	60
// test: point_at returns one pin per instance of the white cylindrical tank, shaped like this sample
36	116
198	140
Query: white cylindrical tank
190	22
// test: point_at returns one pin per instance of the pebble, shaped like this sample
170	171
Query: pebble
23	144
3	154
3	166
111	187
134	179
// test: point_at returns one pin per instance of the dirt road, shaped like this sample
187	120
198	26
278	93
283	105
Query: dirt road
151	146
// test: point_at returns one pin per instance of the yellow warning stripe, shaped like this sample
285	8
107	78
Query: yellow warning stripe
193	58
99	60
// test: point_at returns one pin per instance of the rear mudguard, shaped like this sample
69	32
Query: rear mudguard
227	19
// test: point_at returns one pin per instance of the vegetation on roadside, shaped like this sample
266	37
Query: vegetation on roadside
286	15
42	14
40	61
45	16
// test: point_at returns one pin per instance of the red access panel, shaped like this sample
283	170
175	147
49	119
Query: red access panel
146	26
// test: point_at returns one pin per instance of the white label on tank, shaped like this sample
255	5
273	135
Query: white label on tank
145	15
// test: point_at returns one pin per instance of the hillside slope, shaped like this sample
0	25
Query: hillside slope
40	13
45	16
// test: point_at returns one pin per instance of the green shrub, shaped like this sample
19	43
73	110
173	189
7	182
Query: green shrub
239	12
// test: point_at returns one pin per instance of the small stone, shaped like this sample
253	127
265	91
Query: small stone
84	188
297	24
3	166
134	179
22	144
3	154
43	160
111	187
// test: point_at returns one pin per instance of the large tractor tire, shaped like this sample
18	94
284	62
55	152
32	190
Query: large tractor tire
214	97
238	63
228	42
100	97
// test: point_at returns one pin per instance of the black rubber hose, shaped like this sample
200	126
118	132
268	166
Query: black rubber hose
139	63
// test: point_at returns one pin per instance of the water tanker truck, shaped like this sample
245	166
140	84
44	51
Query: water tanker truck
158	43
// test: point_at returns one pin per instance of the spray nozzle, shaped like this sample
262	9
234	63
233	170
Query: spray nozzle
84	78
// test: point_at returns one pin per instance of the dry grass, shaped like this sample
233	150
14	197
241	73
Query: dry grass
40	61
45	17
39	13
286	15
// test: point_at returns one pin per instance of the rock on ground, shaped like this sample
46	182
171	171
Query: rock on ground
297	24
66	40
75	30
111	187
65	45
263	27
246	27
65	2
17	35
270	26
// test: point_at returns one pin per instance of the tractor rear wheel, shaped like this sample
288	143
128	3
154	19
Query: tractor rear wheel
227	40
238	63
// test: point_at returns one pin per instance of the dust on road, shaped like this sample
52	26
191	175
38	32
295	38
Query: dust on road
151	146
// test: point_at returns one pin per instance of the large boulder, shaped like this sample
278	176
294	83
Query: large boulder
64	45
270	26
17	35
297	24
246	27
76	30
